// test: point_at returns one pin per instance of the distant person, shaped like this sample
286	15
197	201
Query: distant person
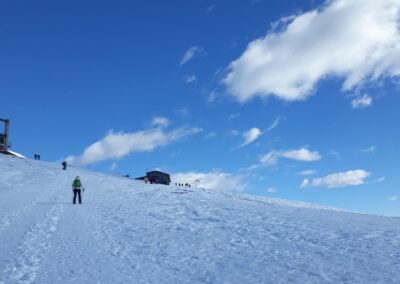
64	165
35	157
77	187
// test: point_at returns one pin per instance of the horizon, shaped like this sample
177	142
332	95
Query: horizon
269	99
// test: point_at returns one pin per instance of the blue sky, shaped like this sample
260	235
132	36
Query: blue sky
296	99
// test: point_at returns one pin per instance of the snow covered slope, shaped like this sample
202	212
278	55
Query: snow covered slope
130	232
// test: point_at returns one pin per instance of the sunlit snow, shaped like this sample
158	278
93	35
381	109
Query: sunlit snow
130	232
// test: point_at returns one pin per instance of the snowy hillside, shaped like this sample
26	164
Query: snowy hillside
129	232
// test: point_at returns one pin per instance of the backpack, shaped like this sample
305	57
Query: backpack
77	184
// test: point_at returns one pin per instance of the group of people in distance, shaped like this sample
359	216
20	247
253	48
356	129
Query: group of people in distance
37	157
181	184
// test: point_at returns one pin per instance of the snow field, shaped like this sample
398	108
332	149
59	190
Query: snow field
130	232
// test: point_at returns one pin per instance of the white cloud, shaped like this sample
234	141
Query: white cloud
210	8
190	54
357	41
270	159
274	124
212	97
211	180
119	145
233	116
381	179
184	112
113	167
250	136
349	178
302	154
271	190
234	132
361	102
393	199
369	150
250	168
190	79
308	172
305	183
211	135
160	121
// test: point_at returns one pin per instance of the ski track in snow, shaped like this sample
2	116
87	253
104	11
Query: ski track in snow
23	269
18	178
129	232
12	218
36	240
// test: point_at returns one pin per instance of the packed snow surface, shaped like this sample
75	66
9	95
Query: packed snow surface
130	232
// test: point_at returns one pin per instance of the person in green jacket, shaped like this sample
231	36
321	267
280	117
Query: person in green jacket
76	187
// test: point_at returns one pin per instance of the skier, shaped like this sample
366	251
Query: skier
77	186
64	164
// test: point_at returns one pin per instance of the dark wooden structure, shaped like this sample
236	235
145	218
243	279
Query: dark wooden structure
4	136
4	143
156	177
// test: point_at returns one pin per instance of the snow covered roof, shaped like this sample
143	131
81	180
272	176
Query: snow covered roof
9	152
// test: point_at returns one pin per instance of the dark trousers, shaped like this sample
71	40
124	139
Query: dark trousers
77	192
